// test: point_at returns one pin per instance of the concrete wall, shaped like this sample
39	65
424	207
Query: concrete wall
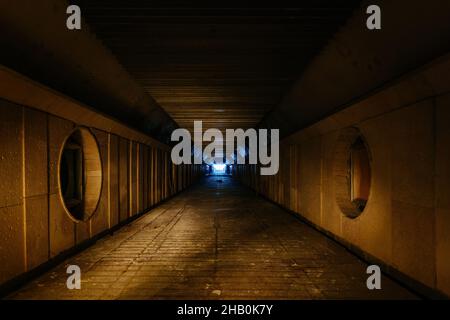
34	226
406	223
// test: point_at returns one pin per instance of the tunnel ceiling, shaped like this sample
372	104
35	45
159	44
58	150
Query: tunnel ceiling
228	65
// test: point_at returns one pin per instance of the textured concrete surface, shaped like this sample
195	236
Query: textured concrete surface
217	240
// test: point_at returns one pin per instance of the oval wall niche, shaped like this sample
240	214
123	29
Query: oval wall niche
352	172
80	174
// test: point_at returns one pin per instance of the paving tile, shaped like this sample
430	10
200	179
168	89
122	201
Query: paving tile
214	241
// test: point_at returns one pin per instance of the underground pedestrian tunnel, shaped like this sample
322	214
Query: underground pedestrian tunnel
87	176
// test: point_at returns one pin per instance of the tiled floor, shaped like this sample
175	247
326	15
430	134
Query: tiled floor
217	240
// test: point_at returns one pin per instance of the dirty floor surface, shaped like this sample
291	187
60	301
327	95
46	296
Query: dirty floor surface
217	240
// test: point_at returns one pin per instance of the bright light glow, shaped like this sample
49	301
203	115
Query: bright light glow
219	167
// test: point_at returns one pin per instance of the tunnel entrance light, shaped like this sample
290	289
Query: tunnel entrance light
219	168
252	147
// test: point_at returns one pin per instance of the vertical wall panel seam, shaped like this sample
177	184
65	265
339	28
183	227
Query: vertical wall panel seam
48	185
24	207
118	180
108	152
322	157
138	207
434	132
130	178
154	177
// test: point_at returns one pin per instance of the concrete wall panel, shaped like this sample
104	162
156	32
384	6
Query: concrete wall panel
331	215
35	135
37	228
310	175
100	219
62	228
413	241
114	209
145	170
151	177
413	191
36	187
124	178
442	192
12	257
11	189
133	178
140	178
